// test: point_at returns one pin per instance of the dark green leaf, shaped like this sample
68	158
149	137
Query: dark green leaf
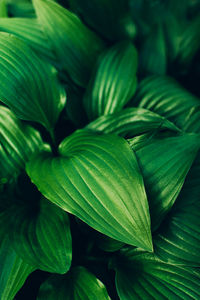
97	178
131	121
166	97
41	235
28	85
178	240
78	284
17	143
79	50
153	56
144	276
113	82
109	18
14	270
164	163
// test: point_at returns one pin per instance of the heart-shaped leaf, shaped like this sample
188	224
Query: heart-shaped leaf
40	234
28	85
76	46
167	98
113	82
30	31
144	276
14	270
116	22
178	240
97	178
78	284
17	143
164	163
131	121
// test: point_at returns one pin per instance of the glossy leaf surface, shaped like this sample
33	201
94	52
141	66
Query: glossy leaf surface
78	52
164	171
113	82
78	284
17	143
28	85
166	97
131	121
97	178
144	276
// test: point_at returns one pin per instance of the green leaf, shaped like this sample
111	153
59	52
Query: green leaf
21	8
164	163
113	82
29	86
3	9
153	56
97	178
116	22
106	243
144	276
189	43
78	284
17	143
131	121
14	270
166	97
78	52
30	31
40	234
178	240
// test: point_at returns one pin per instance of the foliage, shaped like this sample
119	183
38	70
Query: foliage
99	149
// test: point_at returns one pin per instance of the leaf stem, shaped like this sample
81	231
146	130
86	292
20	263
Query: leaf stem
53	142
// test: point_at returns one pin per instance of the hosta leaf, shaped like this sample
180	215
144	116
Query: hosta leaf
30	31
21	8
78	284
178	240
97	178
41	235
144	276
17	143
76	46
14	270
153	56
131	121
116	22
113	82
164	164
28	85
166	97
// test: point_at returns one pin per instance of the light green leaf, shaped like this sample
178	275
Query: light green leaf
3	9
30	31
40	234
178	240
76	46
131	121
166	97
28	85
113	82
116	22
14	270
78	284
153	56
17	143
144	276
164	163
97	178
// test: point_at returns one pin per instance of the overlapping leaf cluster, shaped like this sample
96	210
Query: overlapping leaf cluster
99	149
